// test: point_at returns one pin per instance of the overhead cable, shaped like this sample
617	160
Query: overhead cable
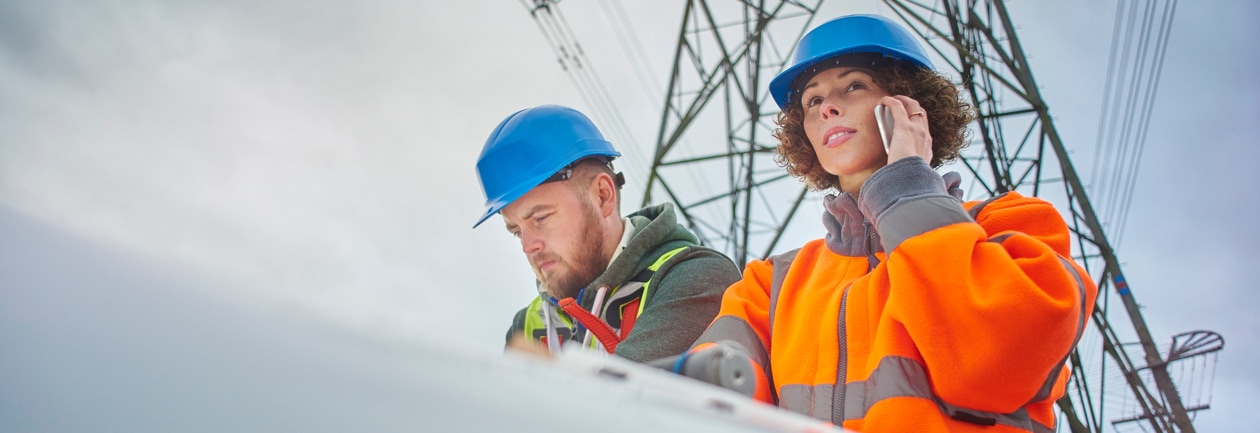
591	88
1139	47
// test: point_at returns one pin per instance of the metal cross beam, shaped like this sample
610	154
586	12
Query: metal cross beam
714	160
1021	148
723	179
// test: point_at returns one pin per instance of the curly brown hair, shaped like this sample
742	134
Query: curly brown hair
947	115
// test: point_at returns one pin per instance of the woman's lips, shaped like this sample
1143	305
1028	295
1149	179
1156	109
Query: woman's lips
837	136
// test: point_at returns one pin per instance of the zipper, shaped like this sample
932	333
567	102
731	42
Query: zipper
842	367
871	245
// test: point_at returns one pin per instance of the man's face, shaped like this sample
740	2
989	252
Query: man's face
560	234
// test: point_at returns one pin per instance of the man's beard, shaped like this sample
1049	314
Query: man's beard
588	263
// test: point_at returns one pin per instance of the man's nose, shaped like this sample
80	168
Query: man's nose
530	242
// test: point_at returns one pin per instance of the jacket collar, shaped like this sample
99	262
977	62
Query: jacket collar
654	227
849	233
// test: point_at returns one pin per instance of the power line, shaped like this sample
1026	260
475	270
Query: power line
581	71
1133	75
1161	51
1129	148
630	43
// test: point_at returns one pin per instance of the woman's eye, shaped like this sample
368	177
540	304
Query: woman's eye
813	101
856	85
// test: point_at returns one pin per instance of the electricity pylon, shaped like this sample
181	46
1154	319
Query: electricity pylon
714	160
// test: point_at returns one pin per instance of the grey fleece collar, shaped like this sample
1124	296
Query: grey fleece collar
653	226
848	220
848	231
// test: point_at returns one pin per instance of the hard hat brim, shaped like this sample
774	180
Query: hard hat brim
496	204
852	34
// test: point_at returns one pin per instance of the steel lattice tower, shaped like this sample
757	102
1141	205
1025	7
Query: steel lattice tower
716	124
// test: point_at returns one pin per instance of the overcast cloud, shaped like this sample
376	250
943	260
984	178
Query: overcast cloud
316	159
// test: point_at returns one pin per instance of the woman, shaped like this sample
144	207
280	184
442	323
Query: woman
916	311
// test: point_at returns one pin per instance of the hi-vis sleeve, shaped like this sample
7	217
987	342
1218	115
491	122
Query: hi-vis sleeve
993	302
745	319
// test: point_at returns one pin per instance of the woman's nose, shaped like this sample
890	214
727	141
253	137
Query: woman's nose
829	109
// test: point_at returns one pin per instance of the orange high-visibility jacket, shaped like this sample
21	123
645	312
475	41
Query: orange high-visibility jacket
939	316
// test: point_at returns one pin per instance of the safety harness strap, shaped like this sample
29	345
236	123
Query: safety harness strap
627	321
623	317
595	326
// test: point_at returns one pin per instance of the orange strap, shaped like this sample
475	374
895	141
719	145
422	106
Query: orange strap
627	321
593	325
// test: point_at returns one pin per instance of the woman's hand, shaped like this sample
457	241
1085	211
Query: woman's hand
910	135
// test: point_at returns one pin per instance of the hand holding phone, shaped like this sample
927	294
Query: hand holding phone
884	120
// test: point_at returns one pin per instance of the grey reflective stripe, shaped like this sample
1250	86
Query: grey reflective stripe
912	218
825	402
979	207
814	401
737	330
894	377
781	263
898	376
1048	386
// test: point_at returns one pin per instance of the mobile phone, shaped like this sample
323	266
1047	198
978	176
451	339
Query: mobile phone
884	120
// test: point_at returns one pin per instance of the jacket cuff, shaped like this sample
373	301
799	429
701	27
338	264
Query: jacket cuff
907	198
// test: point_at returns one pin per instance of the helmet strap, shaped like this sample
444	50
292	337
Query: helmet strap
566	173
562	175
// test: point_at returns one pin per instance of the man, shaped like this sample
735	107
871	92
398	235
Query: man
640	287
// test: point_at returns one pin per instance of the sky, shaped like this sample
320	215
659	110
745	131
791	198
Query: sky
312	162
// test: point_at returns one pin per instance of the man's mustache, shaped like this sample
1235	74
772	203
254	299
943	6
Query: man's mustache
534	260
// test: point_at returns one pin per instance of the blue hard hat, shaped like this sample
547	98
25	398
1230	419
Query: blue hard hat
850	34
530	146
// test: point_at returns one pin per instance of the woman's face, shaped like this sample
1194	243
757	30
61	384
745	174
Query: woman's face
839	107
